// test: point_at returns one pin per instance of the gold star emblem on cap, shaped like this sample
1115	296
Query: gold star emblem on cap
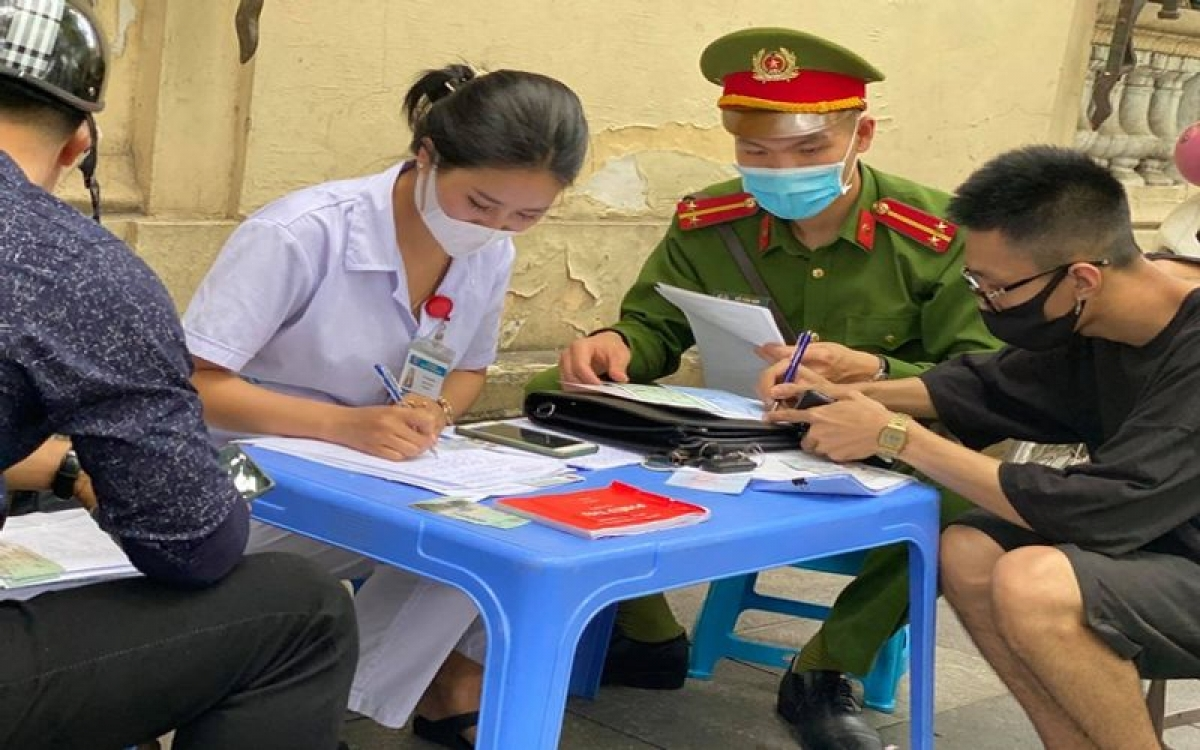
776	65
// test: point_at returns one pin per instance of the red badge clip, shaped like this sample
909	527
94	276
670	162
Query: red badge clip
439	307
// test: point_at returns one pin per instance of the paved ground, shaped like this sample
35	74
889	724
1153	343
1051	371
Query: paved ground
735	710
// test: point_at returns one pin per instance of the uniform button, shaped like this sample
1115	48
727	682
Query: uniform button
889	339
818	273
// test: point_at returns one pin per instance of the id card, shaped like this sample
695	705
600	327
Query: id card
21	566
471	512
425	369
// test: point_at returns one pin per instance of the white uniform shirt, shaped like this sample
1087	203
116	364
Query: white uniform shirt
310	292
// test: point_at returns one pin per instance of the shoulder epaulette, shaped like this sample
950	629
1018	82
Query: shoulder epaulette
696	212
931	231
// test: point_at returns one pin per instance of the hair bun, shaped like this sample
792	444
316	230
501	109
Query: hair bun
432	86
463	74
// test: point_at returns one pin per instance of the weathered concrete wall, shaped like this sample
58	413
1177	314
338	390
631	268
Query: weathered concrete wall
194	141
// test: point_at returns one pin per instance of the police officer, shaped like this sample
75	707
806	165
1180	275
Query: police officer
861	257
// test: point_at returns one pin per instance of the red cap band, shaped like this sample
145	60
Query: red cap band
809	91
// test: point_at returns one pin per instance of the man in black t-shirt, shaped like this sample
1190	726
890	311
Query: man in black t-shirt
1073	582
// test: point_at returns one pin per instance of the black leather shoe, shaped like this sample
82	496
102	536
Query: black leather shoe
824	713
650	666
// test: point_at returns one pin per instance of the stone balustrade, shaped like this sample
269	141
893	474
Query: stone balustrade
1151	103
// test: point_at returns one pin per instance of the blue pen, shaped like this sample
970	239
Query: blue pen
389	383
393	390
794	365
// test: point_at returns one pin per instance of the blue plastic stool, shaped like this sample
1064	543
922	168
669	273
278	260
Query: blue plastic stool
713	636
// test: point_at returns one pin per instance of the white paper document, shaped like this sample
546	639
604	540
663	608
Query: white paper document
709	400
727	333
706	481
42	552
799	472
461	466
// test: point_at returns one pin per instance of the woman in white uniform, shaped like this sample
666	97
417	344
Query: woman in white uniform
316	288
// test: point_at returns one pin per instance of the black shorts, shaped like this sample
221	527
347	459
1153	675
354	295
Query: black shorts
1144	605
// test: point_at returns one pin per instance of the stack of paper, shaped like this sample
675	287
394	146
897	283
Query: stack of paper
708	400
46	551
461	467
727	334
796	471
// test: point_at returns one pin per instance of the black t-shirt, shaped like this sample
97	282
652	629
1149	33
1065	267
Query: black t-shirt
1137	408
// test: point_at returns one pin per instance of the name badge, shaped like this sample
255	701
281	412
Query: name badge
429	360
749	299
425	368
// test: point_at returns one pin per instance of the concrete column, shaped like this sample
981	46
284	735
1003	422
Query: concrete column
189	113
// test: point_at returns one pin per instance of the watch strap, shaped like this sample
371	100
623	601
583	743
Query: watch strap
884	370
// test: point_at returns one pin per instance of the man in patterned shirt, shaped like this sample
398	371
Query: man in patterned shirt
226	653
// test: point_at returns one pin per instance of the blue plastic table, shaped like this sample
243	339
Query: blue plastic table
537	588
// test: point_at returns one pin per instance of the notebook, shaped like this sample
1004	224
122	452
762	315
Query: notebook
616	510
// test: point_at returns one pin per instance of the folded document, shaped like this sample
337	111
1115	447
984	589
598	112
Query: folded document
795	471
42	552
727	334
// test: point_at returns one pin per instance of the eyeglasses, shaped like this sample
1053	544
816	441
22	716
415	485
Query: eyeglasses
990	296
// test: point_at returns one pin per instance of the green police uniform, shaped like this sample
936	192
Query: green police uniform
878	290
889	284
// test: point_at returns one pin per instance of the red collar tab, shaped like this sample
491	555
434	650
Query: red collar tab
697	213
931	231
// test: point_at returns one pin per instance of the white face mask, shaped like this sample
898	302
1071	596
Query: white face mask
458	238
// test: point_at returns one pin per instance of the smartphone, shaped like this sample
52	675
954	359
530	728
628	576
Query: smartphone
527	438
250	480
812	398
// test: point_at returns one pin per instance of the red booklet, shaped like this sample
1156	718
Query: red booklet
615	510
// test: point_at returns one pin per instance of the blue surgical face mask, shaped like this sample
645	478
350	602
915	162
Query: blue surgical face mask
799	192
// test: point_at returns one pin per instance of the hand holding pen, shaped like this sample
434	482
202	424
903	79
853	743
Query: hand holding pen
793	367
396	394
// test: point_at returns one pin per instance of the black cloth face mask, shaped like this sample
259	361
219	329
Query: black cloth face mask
1025	325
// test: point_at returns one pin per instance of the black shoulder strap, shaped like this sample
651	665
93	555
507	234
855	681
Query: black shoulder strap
738	251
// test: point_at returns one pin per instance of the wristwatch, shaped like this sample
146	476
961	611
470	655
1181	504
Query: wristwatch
893	437
884	369
63	486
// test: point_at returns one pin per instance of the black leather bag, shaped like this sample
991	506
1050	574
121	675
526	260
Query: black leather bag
653	428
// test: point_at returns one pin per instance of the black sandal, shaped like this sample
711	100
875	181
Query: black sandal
447	732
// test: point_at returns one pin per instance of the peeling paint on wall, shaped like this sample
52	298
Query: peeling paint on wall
588	265
619	185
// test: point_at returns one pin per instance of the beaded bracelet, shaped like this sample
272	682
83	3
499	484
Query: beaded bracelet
447	409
